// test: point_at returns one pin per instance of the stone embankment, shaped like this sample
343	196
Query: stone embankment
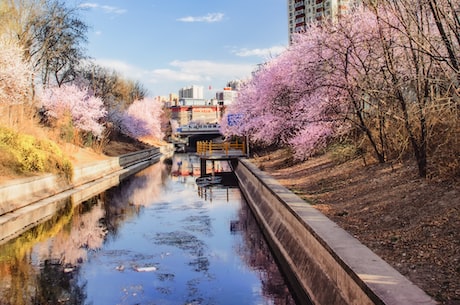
322	262
26	202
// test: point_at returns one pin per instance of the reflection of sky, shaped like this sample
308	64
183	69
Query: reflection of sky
206	269
154	222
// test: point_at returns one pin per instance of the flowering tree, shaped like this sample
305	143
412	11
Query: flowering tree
142	120
420	47
15	74
388	72
85	111
287	101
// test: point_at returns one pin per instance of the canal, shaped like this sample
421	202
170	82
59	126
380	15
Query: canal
156	238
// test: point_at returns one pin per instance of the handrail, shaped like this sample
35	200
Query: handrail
208	148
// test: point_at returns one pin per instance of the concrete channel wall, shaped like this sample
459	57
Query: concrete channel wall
26	202
322	262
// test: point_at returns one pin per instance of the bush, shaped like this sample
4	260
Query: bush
25	154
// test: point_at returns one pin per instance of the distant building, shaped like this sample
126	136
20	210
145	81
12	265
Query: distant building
226	97
192	92
192	108
303	12
204	114
170	100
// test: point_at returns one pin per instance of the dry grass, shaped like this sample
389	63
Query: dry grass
412	223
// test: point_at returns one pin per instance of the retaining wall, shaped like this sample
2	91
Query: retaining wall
321	261
22	192
26	202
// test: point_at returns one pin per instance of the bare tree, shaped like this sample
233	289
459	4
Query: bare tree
52	36
59	35
421	52
117	92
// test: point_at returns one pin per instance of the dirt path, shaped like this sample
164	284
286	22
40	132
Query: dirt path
413	224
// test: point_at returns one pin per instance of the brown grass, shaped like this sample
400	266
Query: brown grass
412	223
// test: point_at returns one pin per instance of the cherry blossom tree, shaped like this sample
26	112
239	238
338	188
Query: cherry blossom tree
15	83
386	75
142	120
15	74
421	72
85	111
287	102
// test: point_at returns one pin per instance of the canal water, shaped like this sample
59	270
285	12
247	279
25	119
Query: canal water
156	238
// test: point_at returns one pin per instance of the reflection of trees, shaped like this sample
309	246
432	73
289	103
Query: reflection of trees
85	232
18	275
16	281
131	194
59	245
41	266
255	252
57	287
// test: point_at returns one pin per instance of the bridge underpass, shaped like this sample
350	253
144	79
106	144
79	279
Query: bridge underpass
191	134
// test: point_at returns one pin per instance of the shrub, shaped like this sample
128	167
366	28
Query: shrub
25	154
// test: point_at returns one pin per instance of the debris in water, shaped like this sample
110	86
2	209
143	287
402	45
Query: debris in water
145	269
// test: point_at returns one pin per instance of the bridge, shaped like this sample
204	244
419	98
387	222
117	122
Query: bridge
198	129
225	150
219	151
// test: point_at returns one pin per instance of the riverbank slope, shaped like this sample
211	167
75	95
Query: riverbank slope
412	223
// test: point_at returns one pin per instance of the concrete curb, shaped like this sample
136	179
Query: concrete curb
323	262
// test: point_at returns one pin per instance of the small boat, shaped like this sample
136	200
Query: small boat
208	180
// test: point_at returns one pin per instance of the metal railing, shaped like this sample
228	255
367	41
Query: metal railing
209	148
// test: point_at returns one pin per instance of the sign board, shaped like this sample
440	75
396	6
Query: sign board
234	119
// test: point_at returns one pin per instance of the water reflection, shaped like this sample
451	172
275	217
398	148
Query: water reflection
41	266
155	239
256	253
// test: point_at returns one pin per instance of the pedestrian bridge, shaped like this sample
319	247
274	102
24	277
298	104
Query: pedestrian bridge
198	129
212	150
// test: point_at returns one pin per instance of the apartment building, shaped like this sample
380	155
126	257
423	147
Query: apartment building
303	12
227	96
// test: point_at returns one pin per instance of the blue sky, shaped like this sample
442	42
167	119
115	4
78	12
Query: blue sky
170	44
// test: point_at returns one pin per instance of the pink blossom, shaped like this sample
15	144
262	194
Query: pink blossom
85	110
15	74
142	119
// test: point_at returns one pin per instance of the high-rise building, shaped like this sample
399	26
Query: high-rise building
303	12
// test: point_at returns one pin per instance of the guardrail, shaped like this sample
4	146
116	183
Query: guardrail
198	127
208	148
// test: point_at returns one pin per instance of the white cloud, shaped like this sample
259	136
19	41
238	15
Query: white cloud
105	8
266	53
88	5
181	73
123	68
204	70
209	18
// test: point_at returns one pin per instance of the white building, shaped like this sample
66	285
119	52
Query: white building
303	12
192	92
227	96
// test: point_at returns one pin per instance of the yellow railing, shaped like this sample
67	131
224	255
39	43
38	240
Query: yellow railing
208	148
